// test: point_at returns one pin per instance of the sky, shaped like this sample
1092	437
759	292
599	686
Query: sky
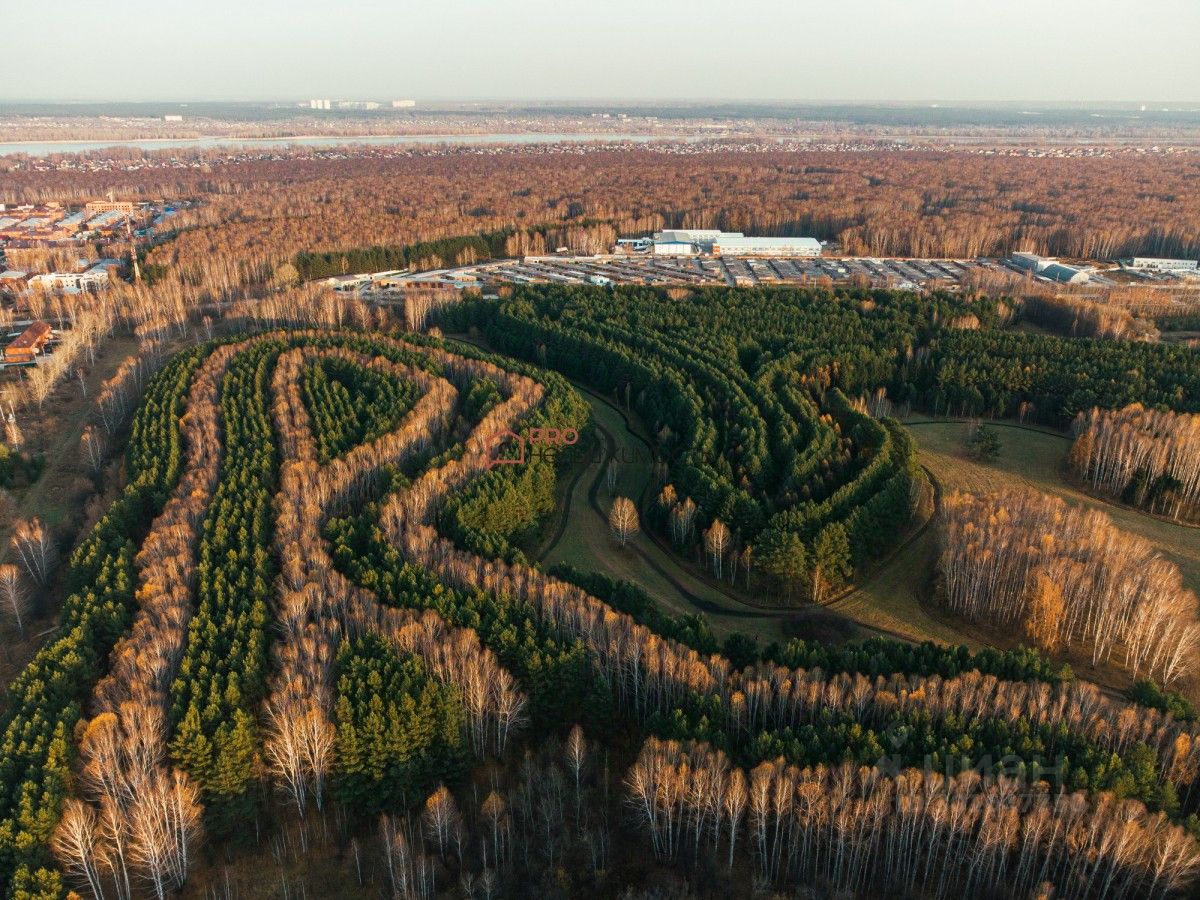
849	50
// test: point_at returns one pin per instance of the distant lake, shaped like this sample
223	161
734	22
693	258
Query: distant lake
36	148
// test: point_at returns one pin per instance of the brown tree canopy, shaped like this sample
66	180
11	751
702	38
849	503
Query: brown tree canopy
921	202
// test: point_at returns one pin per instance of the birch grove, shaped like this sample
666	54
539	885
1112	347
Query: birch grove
1121	602
147	805
1066	576
1148	457
861	833
319	606
649	674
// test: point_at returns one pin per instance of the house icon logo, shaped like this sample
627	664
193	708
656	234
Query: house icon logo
506	448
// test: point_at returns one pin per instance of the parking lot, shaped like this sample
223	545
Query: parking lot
731	271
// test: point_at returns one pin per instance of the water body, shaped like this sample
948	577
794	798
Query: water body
35	148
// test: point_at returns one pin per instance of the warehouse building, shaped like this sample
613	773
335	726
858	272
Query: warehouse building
1157	264
1064	274
710	241
704	238
1049	268
1030	262
737	245
71	223
110	219
675	248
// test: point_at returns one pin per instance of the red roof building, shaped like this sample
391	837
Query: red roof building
28	343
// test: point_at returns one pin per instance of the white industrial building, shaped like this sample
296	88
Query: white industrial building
1029	261
704	237
69	282
1049	268
96	276
693	241
675	248
1064	274
1157	264
737	245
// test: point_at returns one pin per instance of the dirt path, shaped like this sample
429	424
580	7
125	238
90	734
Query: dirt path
55	432
59	495
581	538
892	600
585	541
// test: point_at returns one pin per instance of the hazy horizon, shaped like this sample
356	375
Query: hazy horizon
632	51
426	104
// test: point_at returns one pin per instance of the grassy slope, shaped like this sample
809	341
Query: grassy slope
587	544
1036	459
899	597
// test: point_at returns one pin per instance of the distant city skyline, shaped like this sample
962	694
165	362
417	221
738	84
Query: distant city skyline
634	50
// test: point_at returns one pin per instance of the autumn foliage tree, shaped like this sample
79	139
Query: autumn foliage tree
623	520
1147	457
378	655
1069	576
858	832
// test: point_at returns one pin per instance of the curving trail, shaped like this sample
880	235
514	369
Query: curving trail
581	533
662	670
648	560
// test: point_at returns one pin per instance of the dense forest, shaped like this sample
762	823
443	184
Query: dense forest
919	203
764	454
993	372
314	625
766	460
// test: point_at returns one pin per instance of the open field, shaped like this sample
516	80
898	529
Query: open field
587	544
892	598
900	595
1036	458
